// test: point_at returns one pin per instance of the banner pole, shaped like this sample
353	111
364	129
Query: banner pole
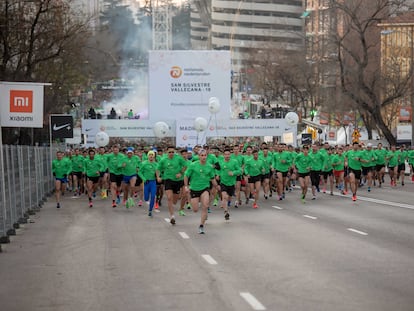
3	184
50	139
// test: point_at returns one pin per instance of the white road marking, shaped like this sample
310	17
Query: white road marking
396	204
184	235
252	301
209	259
167	220
357	231
310	217
277	207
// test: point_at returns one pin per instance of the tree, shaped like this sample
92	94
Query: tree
40	41
357	42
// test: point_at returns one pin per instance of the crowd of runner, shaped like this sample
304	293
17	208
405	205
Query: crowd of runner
227	176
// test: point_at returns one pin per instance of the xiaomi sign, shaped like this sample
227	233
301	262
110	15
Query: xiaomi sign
21	104
21	101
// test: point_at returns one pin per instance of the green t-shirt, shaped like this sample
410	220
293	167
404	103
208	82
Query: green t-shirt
229	170
392	158
93	168
354	159
61	167
327	164
200	175
115	163
169	168
268	162
402	156
317	160
303	163
147	170
369	156
380	156
410	155
254	167
282	161
77	163
131	165
338	162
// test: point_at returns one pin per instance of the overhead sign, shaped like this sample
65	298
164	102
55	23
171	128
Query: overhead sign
21	104
182	82
184	130
61	126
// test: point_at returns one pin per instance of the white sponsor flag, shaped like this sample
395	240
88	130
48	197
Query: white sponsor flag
21	104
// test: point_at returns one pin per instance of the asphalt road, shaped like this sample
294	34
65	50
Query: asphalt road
327	254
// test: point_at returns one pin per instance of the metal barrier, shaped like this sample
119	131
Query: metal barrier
24	186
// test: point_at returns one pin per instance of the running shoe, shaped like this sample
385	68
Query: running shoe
226	216
113	204
228	203
118	199
90	204
369	189
280	198
354	197
412	178
135	194
265	196
215	202
127	204
132	202
201	229
283	195
172	220
236	205
247	201
94	194
156	205
209	210
313	197
150	214
303	198
255	205
58	205
188	206
140	203
181	212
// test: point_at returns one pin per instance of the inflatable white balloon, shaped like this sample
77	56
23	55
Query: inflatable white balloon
200	124
292	118
161	129
214	105
101	139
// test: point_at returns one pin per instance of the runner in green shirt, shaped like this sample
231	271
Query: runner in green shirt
392	159
147	173
61	168
116	163
92	168
228	172
402	157
130	172
380	162
368	164
77	168
303	163
254	169
171	171
197	180
354	157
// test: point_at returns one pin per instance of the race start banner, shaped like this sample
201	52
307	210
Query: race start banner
21	104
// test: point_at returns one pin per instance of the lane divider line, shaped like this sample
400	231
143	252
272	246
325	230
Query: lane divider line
252	301
277	207
357	231
310	217
209	259
184	235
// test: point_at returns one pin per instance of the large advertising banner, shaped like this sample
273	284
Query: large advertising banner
182	82
21	104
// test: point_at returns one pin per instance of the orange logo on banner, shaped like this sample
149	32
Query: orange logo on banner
21	101
176	72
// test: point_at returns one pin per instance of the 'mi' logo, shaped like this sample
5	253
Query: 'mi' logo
21	101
